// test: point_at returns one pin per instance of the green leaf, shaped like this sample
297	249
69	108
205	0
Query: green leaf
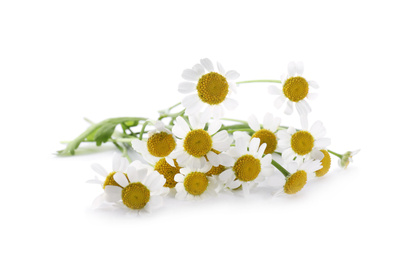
104	133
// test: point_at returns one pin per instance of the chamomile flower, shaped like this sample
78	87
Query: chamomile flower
303	144
267	132
208	90
195	183
159	144
141	190
299	173
326	163
347	158
156	151
119	164
295	90
197	146
250	166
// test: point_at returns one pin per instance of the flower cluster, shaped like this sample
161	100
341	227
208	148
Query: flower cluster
194	153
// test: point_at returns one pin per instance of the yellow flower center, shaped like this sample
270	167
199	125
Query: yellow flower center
302	142
247	168
295	182
215	170
111	181
326	161
212	88
296	88
161	144
266	136
196	183
167	171
135	195
197	143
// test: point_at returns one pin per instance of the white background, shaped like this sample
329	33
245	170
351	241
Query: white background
61	61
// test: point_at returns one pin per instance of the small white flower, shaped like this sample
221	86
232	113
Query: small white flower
159	144
295	90
299	172
250	166
347	158
267	132
197	146
141	190
208	90
194	183
303	144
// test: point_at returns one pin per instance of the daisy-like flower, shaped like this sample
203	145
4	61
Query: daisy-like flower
197	146
159	144
303	144
195	183
250	166
299	173
141	190
119	164
295	90
156	151
266	133
208	90
326	163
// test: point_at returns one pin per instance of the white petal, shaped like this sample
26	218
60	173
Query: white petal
279	101
304	121
220	68
121	179
99	169
199	69
313	84
195	108
267	121
183	124
178	131
230	103
254	145
113	193
179	177
299	68
261	150
116	161
226	175
274	90
170	161
317	129
186	87
189	74
195	122
253	123
213	159
289	108
322	142
218	112
316	154
292	167
155	202
190	100
291	69
232	75
312	96
137	175
208	65
214	127
226	160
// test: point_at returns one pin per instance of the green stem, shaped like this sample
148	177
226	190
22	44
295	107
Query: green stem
281	169
336	154
142	131
260	80
176	105
235	120
249	130
123	150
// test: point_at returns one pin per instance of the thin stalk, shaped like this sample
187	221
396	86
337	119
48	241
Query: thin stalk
281	169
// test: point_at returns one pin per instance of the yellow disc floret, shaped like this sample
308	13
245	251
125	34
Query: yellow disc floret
167	171
197	143
302	142
215	170
135	195
266	136
296	88
326	161
161	144
295	182
196	183
212	88
247	168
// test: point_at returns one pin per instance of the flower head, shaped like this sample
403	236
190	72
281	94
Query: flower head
141	190
298	175
250	166
197	146
208	90
119	164
267	132
303	144
347	158
295	90
195	183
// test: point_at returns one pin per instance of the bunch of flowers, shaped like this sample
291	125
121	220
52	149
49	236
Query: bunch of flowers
195	152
